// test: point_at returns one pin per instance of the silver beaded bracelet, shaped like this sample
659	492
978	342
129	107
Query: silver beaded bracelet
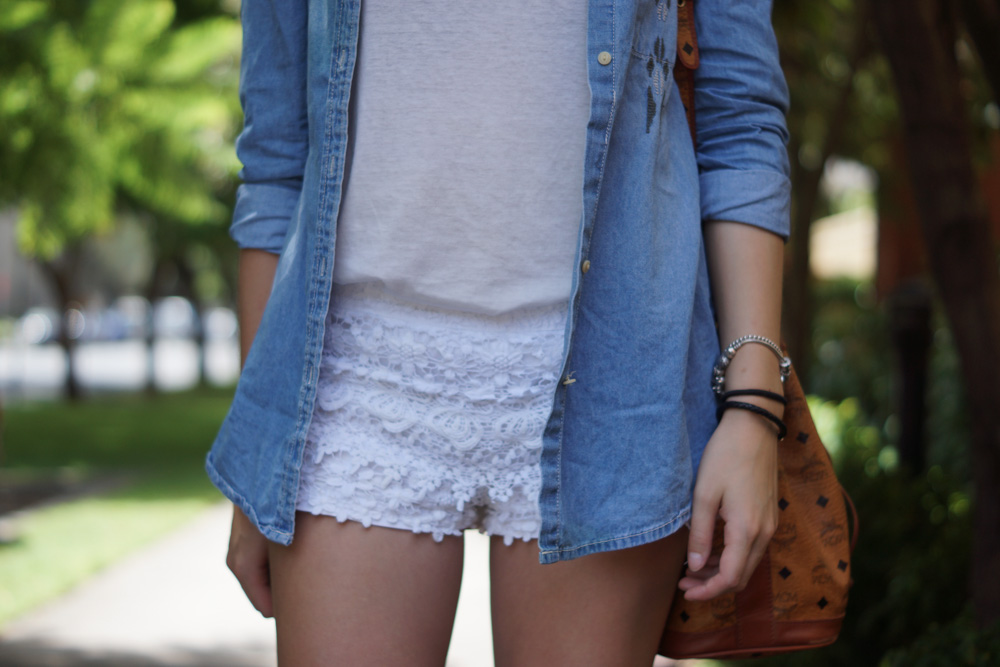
719	371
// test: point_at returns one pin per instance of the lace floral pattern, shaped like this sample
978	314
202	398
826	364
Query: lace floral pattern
431	420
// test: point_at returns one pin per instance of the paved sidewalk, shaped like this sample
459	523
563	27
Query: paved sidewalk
175	603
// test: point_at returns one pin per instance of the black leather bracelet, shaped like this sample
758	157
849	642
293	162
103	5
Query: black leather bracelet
756	409
763	393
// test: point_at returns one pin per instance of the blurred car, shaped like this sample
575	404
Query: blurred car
129	317
174	317
220	323
38	325
134	313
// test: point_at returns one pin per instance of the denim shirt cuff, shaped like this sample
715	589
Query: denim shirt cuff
262	215
759	198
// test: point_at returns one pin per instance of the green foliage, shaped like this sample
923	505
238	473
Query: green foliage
15	15
825	47
948	422
957	644
853	358
851	355
911	565
106	103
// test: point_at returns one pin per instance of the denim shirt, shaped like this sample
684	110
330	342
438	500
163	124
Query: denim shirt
635	408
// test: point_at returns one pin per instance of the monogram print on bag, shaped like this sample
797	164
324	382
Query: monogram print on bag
785	604
812	470
832	533
821	575
784	536
724	609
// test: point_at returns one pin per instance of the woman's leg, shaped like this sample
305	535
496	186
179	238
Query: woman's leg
602	609
349	595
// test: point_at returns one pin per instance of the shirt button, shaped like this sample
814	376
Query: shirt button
585	266
604	57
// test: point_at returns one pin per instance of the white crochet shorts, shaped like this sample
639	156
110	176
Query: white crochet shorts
431	420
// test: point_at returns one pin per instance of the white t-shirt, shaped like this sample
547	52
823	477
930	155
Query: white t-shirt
467	132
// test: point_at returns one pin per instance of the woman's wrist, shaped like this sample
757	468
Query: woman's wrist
745	421
756	367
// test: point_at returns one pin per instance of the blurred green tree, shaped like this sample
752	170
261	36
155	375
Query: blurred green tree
896	85
824	49
106	105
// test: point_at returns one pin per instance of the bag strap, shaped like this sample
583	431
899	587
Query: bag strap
687	59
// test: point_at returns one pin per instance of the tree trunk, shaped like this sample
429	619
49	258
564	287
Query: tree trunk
60	274
152	292
919	37
186	276
805	184
910	308
982	21
797	300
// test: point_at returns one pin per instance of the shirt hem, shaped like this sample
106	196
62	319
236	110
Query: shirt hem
548	556
273	534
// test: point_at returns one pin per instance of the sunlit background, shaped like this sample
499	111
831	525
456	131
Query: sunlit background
119	351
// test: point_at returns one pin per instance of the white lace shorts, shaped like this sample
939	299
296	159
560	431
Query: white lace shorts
430	420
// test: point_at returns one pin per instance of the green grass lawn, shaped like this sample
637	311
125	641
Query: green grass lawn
158	443
115	431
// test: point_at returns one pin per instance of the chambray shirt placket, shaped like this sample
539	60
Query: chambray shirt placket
338	56
604	57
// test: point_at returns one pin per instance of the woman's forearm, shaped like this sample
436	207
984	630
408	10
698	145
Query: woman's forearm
745	264
738	475
256	275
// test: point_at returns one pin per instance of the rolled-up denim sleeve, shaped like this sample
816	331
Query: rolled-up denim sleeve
275	139
741	99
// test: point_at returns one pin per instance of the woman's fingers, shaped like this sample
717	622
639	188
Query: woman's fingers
732	570
705	509
254	576
731	566
753	559
692	579
767	523
747	567
247	559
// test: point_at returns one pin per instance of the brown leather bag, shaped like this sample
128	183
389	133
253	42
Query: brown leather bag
797	595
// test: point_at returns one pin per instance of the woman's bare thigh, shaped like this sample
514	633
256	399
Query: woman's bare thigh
602	609
349	595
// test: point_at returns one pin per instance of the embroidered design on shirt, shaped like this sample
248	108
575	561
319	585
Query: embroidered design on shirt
657	68
662	9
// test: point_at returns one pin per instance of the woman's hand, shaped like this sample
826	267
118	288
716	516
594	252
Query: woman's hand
248	560
738	480
247	556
